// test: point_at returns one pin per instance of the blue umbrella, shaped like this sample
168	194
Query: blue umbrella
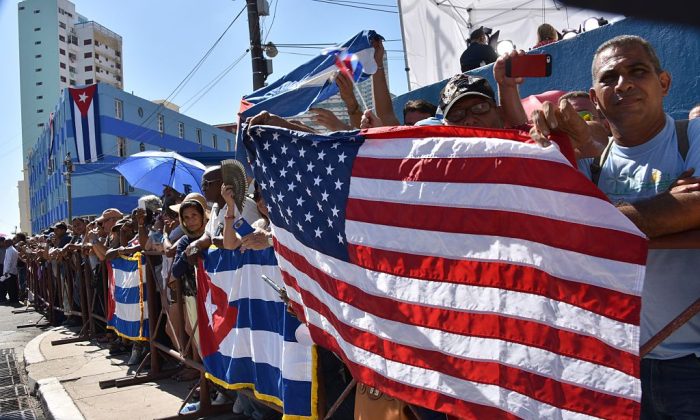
150	171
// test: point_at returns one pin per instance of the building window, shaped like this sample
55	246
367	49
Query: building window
37	56
87	42
71	56
39	83
62	51
37	42
181	130
40	125
62	65
62	38
161	123
39	97
97	56
122	185
61	25
88	68
214	141
72	82
199	135
36	11
39	111
87	55
121	147
63	79
118	106
88	81
119	66
71	69
37	29
21	7
97	43
119	78
37	70
117	53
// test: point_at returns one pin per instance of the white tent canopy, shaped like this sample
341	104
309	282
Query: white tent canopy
435	31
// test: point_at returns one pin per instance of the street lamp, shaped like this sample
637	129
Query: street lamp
68	163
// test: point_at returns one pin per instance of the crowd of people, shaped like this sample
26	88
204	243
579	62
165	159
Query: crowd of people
622	139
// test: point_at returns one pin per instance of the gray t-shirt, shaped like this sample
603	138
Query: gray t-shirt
633	173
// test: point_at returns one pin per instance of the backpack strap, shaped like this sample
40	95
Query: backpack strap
597	164
682	137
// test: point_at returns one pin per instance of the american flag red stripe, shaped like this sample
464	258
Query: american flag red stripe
480	277
614	305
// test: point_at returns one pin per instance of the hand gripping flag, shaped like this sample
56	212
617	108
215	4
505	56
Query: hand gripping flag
462	270
127	307
86	123
247	337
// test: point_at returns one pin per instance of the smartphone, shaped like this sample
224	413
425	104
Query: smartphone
242	227
530	65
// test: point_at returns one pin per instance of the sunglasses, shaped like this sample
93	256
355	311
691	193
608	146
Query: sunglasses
459	114
206	183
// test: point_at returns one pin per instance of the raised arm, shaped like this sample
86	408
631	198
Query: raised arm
380	87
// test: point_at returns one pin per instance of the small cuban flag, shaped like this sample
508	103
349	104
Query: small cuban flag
86	117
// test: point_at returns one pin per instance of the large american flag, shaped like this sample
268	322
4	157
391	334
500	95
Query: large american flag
461	270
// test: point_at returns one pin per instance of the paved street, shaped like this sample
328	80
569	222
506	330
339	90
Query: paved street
15	401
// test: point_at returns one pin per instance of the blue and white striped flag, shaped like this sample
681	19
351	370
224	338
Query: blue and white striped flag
247	337
127	309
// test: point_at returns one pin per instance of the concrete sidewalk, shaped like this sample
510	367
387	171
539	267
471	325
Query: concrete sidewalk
66	378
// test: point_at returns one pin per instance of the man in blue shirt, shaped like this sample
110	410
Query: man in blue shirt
640	175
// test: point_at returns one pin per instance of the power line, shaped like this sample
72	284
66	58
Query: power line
364	3
217	79
189	76
355	7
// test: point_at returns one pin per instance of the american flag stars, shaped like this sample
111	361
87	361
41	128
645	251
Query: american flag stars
315	170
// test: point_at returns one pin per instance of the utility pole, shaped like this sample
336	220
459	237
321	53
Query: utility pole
68	162
256	51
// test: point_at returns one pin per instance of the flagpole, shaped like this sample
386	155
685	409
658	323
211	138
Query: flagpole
403	41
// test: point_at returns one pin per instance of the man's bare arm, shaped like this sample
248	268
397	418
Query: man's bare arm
689	239
665	214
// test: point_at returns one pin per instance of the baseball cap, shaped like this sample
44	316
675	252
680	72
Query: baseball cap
462	85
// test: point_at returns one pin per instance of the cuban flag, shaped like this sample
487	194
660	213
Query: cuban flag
86	127
349	64
310	83
127	309
247	337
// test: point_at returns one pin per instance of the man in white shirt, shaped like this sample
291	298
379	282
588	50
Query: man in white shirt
9	275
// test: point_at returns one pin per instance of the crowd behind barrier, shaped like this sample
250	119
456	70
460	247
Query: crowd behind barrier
177	284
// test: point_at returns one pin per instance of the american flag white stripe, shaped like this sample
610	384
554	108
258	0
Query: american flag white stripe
543	362
614	275
467	298
556	205
441	147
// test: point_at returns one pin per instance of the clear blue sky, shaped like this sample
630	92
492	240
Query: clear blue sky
164	39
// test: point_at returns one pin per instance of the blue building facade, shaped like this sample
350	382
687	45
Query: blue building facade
677	46
127	125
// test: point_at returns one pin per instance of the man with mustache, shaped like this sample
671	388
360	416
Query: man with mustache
647	172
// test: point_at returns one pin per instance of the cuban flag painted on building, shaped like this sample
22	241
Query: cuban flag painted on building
127	309
247	337
86	122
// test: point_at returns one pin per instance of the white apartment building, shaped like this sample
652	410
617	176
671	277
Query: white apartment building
58	48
